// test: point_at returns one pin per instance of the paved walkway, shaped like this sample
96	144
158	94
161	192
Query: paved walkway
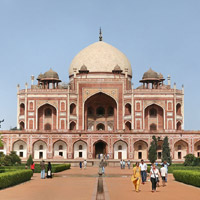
76	184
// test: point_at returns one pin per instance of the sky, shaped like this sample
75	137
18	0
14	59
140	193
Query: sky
42	34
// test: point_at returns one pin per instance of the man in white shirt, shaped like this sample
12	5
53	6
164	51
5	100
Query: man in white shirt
143	167
163	172
85	164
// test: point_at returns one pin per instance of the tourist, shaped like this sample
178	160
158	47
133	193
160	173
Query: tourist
154	175
85	164
80	165
128	164
166	164
33	167
143	167
42	166
136	177
121	164
163	172
49	170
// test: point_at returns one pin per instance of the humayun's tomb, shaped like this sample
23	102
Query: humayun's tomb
99	112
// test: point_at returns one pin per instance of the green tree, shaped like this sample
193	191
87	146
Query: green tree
15	159
1	143
189	159
152	154
29	161
166	151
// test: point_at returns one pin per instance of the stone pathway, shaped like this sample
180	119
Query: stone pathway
76	184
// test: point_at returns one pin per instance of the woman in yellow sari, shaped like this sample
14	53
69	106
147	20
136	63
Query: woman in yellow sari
136	177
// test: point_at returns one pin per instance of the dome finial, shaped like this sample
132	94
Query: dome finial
100	35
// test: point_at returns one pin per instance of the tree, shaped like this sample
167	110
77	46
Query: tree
1	143
15	159
29	161
189	159
166	151
152	154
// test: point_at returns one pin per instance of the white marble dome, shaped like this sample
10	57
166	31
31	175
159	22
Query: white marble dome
100	57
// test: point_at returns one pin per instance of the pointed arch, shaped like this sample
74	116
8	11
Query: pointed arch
80	152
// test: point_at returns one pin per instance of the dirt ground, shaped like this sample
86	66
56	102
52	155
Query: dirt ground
76	184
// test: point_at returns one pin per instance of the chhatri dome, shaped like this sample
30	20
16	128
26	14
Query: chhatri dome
100	57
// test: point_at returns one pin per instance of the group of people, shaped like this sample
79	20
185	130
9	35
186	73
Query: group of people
140	174
42	167
83	164
123	164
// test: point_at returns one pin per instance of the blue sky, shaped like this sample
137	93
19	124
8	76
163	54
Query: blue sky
36	35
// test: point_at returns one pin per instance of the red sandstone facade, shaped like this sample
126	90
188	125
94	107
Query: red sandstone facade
99	112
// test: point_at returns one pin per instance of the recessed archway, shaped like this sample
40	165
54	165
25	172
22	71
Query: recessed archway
140	150
180	150
20	147
99	149
120	150
40	150
60	149
100	108
80	149
47	117
154	117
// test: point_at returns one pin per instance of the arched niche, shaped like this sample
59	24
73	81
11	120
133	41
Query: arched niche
60	149
80	149
120	150
40	150
140	150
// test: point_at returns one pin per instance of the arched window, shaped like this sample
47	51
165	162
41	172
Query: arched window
178	126
41	147
178	109
21	124
127	126
110	111
152	112
179	147
21	147
100	127
90	111
60	147
120	147
140	147
198	147
47	127
22	109
153	127
48	112
100	111
127	109
80	147
72	109
72	126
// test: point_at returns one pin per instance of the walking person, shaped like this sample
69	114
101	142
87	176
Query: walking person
85	164
143	167
136	177
163	173
154	174
80	165
124	164
42	166
49	170
121	164
128	164
166	164
33	167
